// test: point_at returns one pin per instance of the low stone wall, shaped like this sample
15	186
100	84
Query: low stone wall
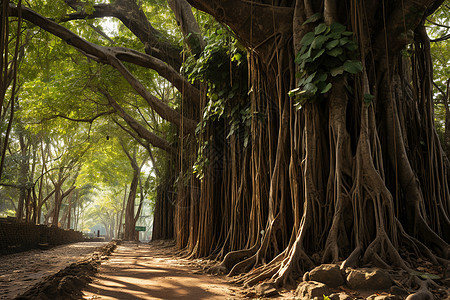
17	237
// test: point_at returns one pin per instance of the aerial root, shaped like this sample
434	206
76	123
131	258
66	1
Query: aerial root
331	252
353	259
262	273
232	259
419	248
423	293
258	251
293	265
243	266
380	249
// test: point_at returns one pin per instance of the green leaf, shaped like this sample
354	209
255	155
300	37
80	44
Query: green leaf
298	56
352	46
425	275
301	75
321	51
335	52
89	8
303	57
293	92
311	88
337	28
310	78
344	41
332	44
347	33
429	276
296	92
307	39
368	98
320	28
315	17
299	103
334	36
326	88
318	41
237	57
353	66
337	71
321	76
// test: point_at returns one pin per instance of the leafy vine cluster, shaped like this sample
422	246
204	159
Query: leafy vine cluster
326	52
223	67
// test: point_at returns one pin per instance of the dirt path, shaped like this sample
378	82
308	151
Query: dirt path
152	271
20	271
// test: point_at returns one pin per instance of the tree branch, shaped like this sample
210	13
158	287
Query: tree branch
66	193
189	26
146	144
153	139
110	56
397	34
254	23
185	87
128	12
89	120
437	24
165	111
442	38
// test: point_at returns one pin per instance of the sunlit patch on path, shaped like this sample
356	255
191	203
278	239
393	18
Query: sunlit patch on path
149	271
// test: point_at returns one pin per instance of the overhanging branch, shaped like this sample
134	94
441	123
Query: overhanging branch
251	21
128	12
87	120
142	132
110	55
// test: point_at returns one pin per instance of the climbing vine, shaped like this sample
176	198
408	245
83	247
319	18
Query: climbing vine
326	51
223	67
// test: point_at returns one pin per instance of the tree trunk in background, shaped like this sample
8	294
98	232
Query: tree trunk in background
343	177
69	209
23	178
119	229
163	214
130	216
130	223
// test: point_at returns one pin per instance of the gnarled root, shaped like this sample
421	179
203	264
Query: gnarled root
232	259
380	250
423	293
292	266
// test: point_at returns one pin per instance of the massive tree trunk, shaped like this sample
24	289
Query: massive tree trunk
351	180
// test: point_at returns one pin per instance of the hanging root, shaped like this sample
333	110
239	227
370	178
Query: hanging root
382	249
263	272
244	266
353	259
419	249
293	265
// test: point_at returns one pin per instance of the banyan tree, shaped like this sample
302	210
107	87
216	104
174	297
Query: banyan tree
323	151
